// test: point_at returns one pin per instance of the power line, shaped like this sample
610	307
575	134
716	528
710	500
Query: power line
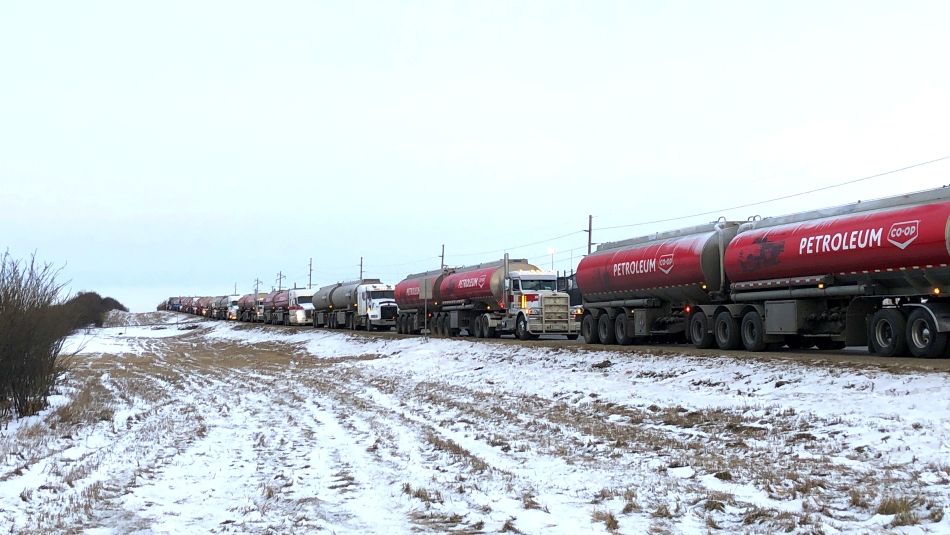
506	249
782	198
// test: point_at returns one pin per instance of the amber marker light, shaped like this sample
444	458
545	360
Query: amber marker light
821	286
936	291
704	286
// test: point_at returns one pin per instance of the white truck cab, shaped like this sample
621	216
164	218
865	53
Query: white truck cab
300	307
533	295
233	308
377	303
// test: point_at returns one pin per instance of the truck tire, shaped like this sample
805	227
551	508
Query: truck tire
887	333
699	331
447	327
726	331
521	328
605	330
478	330
589	329
923	340
753	332
620	330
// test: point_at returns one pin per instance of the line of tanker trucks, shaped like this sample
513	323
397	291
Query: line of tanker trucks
871	273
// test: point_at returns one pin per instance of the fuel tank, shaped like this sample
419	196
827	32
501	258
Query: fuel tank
867	241
482	282
271	298
678	266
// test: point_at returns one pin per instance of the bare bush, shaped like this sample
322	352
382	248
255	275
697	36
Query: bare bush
34	323
32	331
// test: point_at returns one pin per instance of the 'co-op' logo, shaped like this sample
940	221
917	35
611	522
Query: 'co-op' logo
666	263
904	233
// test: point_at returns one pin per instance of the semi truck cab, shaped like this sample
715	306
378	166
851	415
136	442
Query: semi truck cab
233	308
533	296
301	306
377	303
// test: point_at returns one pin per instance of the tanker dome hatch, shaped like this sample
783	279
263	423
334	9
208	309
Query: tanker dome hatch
659	236
919	197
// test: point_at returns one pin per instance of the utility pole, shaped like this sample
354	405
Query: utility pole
257	305
310	275
590	232
235	289
361	268
280	279
442	258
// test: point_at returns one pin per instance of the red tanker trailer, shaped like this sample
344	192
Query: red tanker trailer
273	304
485	300
873	272
639	288
870	273
204	306
251	307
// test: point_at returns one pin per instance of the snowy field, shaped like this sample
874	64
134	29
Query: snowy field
230	428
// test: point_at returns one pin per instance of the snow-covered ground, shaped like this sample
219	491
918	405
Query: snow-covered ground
237	428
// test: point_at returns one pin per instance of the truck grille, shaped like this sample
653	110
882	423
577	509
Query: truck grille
388	313
555	313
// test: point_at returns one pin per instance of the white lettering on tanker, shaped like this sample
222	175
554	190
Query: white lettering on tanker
666	263
903	233
413	291
472	282
841	241
636	268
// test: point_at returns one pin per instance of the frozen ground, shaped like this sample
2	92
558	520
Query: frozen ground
234	428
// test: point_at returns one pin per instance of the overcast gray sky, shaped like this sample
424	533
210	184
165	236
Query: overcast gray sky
167	148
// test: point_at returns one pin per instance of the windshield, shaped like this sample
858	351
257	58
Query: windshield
529	285
382	294
233	303
304	299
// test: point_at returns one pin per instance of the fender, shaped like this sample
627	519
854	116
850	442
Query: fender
939	312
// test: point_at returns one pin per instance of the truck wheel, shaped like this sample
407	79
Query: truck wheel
447	326
620	330
521	329
753	333
605	330
477	330
699	331
727	332
923	340
888	327
589	330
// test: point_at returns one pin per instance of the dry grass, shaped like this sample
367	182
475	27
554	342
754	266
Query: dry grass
455	449
422	494
608	518
92	404
902	508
